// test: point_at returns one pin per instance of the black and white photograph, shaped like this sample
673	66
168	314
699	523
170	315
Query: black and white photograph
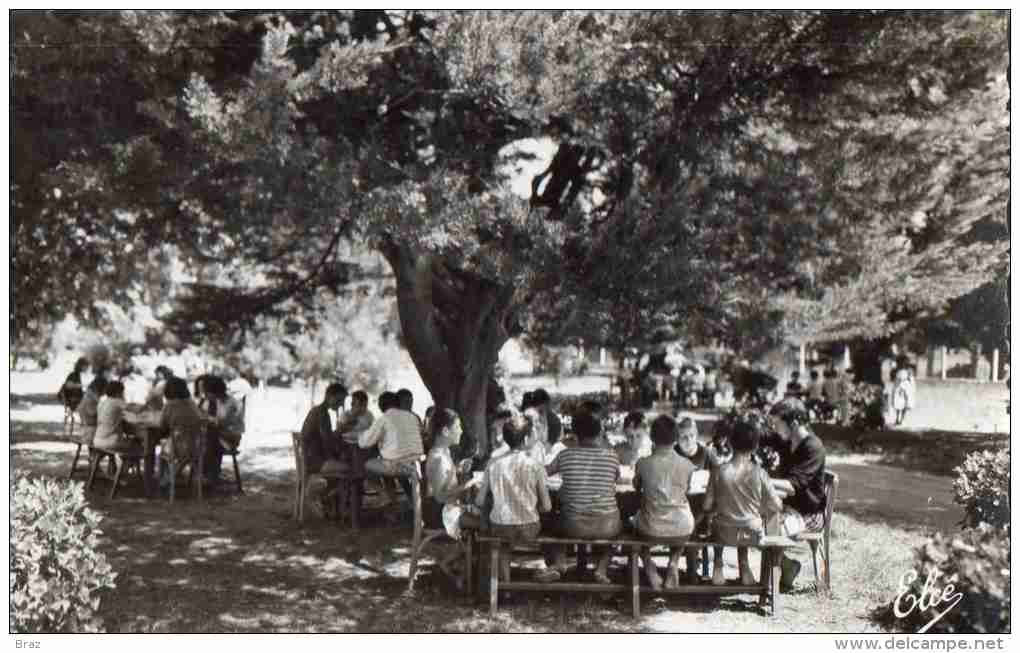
510	321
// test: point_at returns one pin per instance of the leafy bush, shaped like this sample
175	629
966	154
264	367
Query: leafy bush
568	405
866	405
976	564
982	488
56	573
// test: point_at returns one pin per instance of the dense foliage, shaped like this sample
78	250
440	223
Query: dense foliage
58	573
982	488
975	562
750	176
977	565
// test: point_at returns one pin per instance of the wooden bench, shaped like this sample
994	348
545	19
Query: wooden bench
767	587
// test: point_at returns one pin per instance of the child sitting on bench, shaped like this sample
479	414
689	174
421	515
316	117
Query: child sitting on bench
739	493
588	508
515	487
662	480
704	460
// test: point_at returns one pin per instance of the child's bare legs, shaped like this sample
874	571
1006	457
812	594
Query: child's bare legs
717	566
651	571
746	577
673	571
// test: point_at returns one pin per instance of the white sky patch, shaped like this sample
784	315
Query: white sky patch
521	171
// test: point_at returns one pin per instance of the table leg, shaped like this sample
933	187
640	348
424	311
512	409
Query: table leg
356	487
635	583
149	461
469	538
494	578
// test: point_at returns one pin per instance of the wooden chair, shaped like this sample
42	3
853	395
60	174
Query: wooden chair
823	537
423	536
84	441
119	459
194	460
347	494
233	451
303	478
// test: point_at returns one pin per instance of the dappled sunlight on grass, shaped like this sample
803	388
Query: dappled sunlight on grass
239	563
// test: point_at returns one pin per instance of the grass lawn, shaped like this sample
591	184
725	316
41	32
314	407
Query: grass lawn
241	564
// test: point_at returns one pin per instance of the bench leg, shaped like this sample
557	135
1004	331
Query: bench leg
355	495
172	467
494	578
635	584
775	558
468	564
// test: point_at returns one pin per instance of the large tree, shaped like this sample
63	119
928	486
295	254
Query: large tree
706	164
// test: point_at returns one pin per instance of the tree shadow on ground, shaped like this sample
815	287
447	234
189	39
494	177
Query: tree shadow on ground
240	563
929	451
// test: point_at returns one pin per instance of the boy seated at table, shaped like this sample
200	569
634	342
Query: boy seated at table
739	494
662	481
588	508
514	492
704	461
396	434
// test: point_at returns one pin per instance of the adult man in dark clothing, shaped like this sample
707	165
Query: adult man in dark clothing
800	478
318	438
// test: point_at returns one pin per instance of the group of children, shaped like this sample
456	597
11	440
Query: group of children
679	482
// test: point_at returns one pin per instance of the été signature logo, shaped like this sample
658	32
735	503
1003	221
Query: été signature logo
906	602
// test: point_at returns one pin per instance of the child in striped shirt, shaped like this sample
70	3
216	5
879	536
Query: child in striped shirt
588	507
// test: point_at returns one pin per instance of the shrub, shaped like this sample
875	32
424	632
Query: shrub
866	409
568	405
982	488
56	573
976	564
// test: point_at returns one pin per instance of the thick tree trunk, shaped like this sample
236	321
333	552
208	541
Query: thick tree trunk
454	323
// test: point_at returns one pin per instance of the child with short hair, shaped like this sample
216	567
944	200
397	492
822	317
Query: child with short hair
739	494
638	443
515	484
662	481
588	507
704	460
